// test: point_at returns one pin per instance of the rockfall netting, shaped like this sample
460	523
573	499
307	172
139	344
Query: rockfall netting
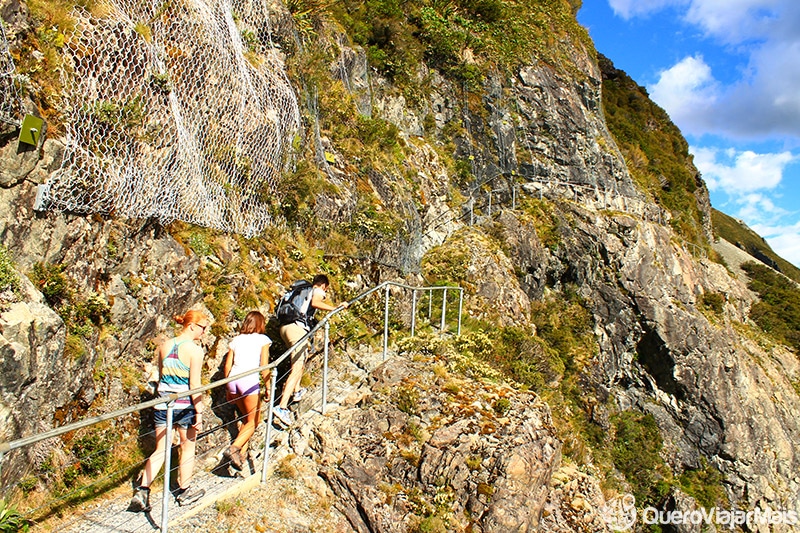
9	95
175	109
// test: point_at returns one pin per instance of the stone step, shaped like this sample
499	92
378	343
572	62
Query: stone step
213	475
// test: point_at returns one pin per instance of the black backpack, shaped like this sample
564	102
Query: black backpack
289	306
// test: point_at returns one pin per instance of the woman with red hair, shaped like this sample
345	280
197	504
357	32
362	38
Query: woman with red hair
179	364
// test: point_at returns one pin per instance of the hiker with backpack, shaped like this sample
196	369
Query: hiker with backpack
296	318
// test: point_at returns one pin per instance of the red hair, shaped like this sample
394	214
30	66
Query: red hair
192	316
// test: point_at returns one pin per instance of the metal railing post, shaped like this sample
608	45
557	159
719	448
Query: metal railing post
490	202
417	295
513	197
413	316
386	324
273	381
167	468
471	211
325	368
444	308
460	307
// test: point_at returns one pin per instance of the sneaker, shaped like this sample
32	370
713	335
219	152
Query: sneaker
234	456
188	496
140	501
283	416
297	396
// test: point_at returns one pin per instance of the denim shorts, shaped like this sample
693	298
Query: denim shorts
180	417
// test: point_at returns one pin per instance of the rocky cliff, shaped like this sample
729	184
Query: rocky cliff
584	236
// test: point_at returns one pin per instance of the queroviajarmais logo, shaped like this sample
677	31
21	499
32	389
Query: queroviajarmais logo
619	513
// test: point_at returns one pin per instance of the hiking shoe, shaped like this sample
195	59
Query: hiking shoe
234	456
140	501
283	416
188	496
297	396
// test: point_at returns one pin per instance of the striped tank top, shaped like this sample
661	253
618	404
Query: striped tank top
174	378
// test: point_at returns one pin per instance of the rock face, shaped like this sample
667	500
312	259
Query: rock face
143	275
714	393
717	390
477	450
35	378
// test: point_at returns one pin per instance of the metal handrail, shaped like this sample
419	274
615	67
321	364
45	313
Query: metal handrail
324	324
6	447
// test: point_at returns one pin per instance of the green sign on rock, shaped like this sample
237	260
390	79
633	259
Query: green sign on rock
31	130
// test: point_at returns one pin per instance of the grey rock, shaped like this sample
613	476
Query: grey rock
496	469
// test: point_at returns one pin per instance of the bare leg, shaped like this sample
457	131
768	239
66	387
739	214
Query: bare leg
186	456
291	334
156	459
250	406
293	381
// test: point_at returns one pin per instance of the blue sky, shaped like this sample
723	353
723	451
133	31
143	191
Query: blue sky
728	74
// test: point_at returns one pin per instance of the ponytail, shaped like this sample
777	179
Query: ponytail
191	317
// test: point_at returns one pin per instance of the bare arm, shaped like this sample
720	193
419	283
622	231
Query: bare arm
228	363
161	353
318	302
195	367
265	360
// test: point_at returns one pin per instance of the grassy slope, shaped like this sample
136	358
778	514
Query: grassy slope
655	150
736	232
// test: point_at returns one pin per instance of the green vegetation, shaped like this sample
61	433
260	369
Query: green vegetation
305	13
778	312
9	281
371	222
407	398
93	462
40	55
11	520
655	151
543	217
502	406
434	516
704	484
82	315
713	301
447	264
636	452
463	39
93	452
737	233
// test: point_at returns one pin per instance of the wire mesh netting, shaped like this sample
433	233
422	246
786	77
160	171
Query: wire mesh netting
9	93
178	109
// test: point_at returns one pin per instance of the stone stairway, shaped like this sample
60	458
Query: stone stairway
212	474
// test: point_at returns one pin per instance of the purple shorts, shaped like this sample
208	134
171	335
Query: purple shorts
244	386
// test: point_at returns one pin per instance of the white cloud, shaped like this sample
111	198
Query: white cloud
758	209
783	239
765	100
683	90
733	21
765	104
758	101
741	173
632	8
